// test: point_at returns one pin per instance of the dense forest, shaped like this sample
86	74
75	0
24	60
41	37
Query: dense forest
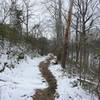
68	29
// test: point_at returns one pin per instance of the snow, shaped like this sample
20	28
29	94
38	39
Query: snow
21	82
65	90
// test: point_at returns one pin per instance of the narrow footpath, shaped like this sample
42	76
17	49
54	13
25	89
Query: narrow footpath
48	93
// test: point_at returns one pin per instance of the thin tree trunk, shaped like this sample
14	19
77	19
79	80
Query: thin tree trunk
27	23
98	86
77	44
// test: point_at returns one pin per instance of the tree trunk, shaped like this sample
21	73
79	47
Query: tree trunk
77	44
27	23
66	34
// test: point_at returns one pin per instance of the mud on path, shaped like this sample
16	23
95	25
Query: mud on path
48	93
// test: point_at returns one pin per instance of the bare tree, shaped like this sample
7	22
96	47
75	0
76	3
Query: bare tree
66	34
27	13
4	9
55	8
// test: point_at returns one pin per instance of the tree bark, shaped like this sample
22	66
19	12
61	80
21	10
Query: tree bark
66	34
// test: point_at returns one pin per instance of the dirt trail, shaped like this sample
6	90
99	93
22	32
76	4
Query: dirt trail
48	93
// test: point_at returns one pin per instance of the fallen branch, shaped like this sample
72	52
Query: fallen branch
88	81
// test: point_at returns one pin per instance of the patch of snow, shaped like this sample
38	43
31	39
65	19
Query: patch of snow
54	61
65	90
21	82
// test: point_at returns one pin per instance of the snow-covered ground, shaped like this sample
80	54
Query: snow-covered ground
65	89
21	82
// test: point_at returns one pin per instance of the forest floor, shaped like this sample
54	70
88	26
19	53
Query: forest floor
38	79
60	86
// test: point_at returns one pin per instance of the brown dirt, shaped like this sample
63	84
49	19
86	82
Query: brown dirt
48	93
